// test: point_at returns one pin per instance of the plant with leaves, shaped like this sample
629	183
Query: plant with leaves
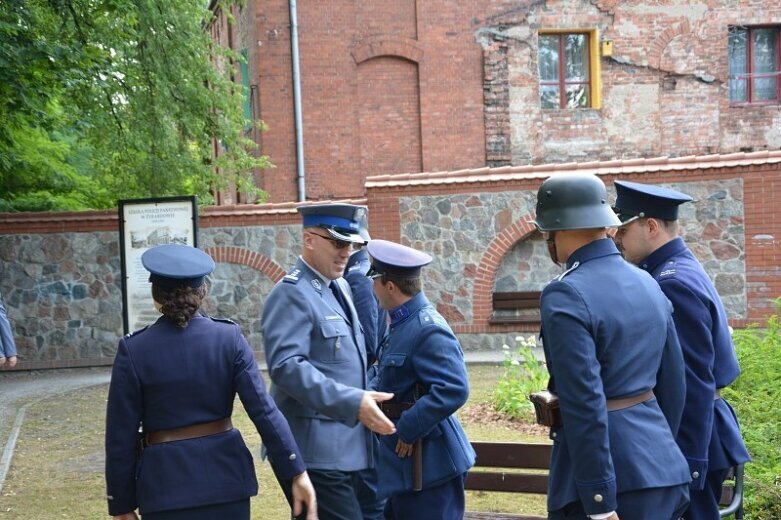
755	396
110	99
523	374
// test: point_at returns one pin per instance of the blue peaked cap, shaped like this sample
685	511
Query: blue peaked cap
390	258
173	265
342	221
635	200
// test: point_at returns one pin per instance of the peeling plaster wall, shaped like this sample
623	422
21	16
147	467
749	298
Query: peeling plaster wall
664	90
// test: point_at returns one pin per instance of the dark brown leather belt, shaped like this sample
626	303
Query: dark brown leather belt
626	402
189	432
393	410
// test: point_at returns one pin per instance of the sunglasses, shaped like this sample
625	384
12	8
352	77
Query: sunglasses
338	244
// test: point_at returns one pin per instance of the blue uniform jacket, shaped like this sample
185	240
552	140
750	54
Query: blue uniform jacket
421	348
167	377
374	318
7	345
317	363
608	333
709	435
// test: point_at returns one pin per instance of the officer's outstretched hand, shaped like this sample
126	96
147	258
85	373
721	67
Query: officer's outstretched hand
304	495
370	414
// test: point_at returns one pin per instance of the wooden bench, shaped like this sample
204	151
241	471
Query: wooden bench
525	303
520	458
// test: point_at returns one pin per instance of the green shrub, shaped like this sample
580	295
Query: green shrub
756	397
523	374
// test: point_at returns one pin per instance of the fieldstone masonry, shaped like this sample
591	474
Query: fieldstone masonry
63	290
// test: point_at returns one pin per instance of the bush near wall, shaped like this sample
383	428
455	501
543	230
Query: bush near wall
756	396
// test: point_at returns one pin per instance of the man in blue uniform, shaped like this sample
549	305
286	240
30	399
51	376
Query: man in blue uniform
709	435
7	345
316	356
374	320
615	364
421	469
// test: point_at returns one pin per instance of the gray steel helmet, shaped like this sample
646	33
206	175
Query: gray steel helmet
573	201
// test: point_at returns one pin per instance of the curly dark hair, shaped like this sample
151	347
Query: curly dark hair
180	303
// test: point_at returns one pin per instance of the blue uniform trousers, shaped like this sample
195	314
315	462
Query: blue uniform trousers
336	496
366	490
238	510
442	502
704	503
667	503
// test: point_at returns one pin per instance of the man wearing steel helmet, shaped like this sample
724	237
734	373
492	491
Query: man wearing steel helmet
615	364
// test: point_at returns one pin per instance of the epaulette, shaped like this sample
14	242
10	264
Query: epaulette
293	276
427	316
139	331
668	271
223	320
568	271
354	267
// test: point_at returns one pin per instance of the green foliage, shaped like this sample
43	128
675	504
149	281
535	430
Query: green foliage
523	374
756	396
109	99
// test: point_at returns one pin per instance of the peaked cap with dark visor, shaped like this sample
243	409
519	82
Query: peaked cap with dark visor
342	221
174	265
635	200
392	259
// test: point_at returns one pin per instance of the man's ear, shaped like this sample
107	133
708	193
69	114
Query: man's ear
308	240
653	227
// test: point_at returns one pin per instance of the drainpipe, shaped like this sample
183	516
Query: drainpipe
300	174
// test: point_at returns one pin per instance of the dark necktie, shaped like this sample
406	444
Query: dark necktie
340	298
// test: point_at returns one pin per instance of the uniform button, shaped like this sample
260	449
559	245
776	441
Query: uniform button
598	498
696	474
554	434
292	456
393	362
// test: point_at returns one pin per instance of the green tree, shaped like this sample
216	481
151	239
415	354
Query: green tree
108	99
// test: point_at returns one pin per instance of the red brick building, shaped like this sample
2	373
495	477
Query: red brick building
410	86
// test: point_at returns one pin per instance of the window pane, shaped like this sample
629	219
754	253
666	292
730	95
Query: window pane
764	41
549	96
738	63
577	96
549	57
764	89
737	90
765	60
576	52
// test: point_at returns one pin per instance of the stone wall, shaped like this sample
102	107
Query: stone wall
60	273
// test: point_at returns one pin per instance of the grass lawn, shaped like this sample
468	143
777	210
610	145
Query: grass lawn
57	469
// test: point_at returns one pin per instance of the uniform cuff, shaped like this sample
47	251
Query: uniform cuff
698	470
599	497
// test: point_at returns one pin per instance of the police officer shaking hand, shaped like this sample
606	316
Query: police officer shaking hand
316	354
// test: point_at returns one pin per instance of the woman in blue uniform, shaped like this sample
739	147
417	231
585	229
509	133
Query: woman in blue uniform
177	379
